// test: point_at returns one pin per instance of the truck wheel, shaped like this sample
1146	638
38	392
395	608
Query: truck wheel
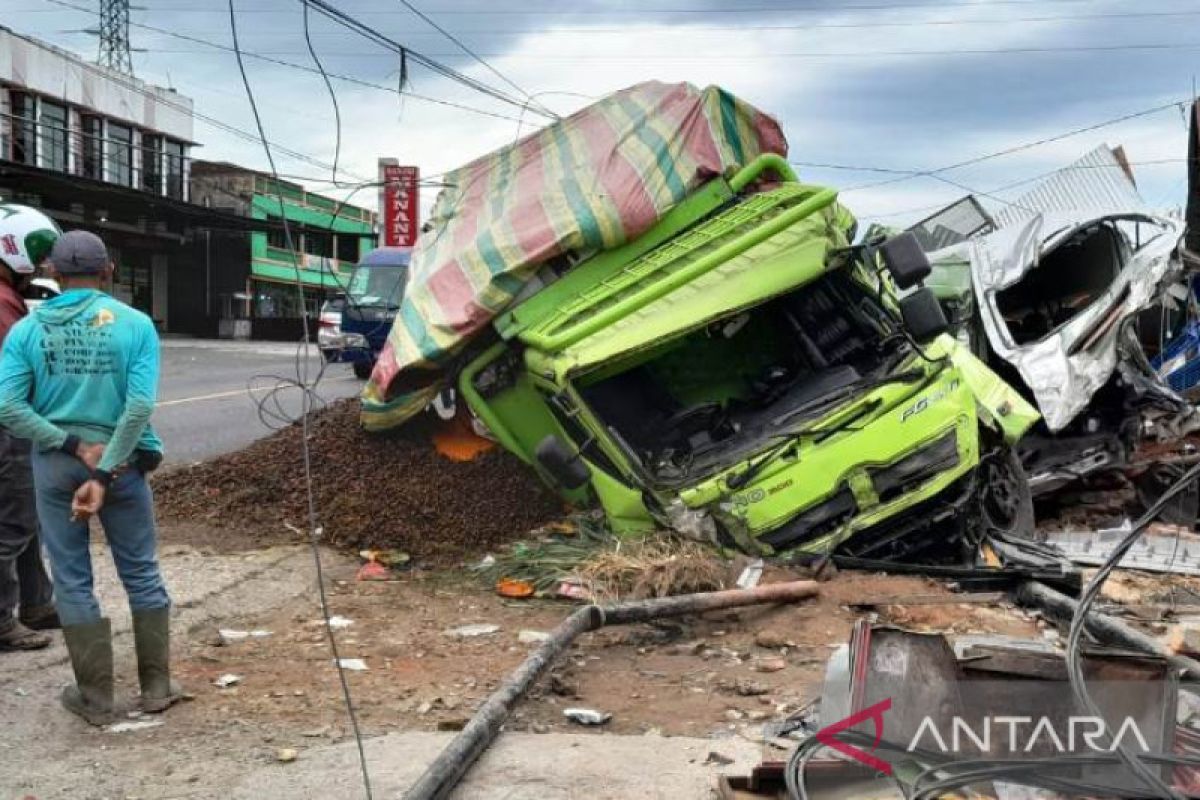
362	371
1004	501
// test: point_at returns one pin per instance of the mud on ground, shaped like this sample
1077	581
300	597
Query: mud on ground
723	674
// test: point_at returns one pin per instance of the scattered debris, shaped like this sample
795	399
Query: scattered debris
227	680
751	575
352	664
510	587
286	755
772	664
532	637
718	759
772	640
743	687
373	571
586	716
472	631
129	726
336	622
228	636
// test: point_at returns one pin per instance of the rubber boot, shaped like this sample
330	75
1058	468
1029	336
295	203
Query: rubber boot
40	618
90	647
152	640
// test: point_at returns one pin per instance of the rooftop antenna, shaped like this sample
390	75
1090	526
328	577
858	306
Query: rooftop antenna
114	36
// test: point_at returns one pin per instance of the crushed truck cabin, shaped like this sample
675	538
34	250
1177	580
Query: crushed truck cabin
742	374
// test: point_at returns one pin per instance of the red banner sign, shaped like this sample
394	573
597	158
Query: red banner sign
401	205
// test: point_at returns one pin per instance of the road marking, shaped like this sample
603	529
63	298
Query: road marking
232	393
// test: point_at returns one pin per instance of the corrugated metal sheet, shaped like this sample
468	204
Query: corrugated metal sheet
1098	182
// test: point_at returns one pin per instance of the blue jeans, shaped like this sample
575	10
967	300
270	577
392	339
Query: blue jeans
127	517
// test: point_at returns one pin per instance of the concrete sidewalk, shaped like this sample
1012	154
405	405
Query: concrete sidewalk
519	767
46	753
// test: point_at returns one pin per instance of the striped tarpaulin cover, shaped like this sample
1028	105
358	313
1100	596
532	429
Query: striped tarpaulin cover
588	182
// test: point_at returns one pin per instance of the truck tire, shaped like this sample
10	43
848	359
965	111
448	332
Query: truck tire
1003	499
363	371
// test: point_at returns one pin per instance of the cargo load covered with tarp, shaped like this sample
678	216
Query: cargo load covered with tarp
586	183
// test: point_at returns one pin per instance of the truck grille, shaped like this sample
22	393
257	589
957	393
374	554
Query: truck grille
911	471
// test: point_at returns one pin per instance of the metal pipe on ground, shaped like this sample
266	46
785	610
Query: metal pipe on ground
456	759
1102	626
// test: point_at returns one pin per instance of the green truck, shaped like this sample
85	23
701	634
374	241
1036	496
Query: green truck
742	374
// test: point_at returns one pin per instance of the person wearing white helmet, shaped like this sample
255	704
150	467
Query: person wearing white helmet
26	238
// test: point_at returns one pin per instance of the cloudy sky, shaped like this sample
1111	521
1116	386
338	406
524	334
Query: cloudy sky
875	88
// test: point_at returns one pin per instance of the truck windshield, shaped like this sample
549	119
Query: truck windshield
376	285
694	404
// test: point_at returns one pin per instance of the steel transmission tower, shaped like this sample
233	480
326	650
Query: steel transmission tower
114	36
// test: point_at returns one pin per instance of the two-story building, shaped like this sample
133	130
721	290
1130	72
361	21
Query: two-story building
257	276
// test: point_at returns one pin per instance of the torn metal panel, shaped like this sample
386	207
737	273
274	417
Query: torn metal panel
1101	183
1066	367
1177	553
954	224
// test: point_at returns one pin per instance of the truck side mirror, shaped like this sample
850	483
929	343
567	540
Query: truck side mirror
904	258
923	316
565	466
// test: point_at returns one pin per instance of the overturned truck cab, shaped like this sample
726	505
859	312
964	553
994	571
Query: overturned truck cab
742	375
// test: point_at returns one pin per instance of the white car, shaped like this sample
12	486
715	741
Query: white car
39	291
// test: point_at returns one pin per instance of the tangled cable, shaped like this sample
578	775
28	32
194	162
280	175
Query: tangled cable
308	394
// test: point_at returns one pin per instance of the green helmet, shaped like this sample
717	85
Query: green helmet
26	236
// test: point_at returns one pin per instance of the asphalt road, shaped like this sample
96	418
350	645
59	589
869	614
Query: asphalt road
205	407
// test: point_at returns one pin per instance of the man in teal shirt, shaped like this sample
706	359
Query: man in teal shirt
79	378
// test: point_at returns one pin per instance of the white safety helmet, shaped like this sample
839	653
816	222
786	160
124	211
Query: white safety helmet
26	237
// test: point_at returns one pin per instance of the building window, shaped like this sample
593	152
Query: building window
120	154
24	128
92	161
152	177
282	301
175	155
276	236
318	243
53	137
347	249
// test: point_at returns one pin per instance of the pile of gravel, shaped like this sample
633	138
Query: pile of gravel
371	492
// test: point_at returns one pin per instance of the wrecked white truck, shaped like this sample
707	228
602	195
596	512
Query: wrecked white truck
1056	301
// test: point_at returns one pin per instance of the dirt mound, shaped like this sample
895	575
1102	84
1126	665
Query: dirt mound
377	492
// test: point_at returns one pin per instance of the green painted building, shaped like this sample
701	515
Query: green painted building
253	276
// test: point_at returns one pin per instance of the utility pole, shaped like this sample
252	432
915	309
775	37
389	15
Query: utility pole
114	36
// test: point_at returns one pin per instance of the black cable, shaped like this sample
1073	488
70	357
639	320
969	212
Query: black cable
1017	148
374	35
1090	593
292	65
528	97
301	381
337	111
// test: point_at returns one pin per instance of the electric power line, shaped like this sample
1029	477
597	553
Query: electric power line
472	54
769	56
405	53
790	9
692	30
303	68
337	111
133	85
1017	148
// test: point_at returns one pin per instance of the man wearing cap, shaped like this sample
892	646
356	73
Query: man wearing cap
79	375
26	236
